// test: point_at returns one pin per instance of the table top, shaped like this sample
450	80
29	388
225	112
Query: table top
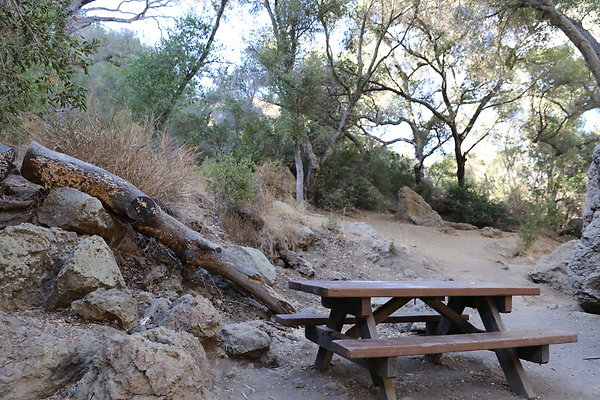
409	288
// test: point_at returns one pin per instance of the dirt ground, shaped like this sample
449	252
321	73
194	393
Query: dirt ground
286	373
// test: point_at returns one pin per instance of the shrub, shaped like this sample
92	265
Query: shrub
467	205
229	180
154	162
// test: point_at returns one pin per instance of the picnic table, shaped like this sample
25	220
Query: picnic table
447	328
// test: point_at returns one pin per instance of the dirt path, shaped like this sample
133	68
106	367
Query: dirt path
573	372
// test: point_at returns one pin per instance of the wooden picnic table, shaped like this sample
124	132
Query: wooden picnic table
448	329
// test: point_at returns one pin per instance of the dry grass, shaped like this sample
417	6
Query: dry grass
155	163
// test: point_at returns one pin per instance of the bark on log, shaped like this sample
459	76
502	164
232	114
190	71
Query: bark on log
7	157
53	169
195	250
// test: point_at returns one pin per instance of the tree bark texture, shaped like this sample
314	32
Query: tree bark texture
53	169
7	157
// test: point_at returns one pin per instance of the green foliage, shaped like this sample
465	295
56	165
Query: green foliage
351	179
39	58
543	219
467	205
230	180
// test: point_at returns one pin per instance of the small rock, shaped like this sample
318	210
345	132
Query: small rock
294	261
460	226
193	314
382	246
490	232
244	340
300	384
108	305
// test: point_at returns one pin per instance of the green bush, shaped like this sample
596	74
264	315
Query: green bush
229	180
369	180
467	205
541	220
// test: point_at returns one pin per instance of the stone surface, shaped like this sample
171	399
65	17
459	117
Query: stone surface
192	314
110	305
292	260
584	270
460	226
551	269
156	364
72	210
412	208
244	339
490	232
30	259
92	265
305	236
256	260
39	357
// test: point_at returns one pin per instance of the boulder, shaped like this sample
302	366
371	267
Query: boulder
156	364
245	340
551	269
17	197
39	357
192	314
304	236
91	265
72	210
110	305
30	258
292	260
256	260
583	271
412	208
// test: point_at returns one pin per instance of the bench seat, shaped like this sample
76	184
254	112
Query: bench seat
321	319
415	345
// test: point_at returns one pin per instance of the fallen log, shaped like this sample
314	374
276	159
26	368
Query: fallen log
195	250
7	157
53	169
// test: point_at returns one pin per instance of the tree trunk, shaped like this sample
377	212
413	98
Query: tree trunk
577	34
53	169
299	174
460	169
196	251
7	157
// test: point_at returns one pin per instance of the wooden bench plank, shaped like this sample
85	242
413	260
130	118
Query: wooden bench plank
321	319
415	345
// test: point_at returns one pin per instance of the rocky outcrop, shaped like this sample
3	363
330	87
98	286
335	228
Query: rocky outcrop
292	260
412	208
91	265
110	305
551	269
192	314
584	270
40	357
245	340
30	259
256	260
156	364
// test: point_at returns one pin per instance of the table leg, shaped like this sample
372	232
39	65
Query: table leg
335	322
457	304
508	358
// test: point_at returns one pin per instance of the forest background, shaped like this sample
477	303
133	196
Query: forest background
488	109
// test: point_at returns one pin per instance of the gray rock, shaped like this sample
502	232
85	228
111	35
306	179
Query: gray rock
305	236
92	265
383	247
156	364
412	208
151	310
583	271
193	314
551	269
108	305
72	210
490	232
256	260
294	261
244	339
40	357
460	226
362	230
30	259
